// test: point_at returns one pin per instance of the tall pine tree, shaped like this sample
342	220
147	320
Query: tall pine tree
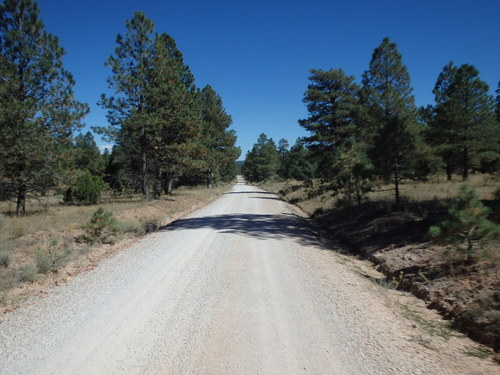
131	66
38	112
497	101
465	119
262	161
441	133
391	128
218	140
333	104
176	123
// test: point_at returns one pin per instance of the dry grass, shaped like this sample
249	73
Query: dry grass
53	227
437	189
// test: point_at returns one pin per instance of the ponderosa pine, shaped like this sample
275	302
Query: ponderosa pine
391	128
38	111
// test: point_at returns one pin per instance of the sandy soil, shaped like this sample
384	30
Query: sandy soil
241	286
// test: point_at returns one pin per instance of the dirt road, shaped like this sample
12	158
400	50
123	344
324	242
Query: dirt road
239	287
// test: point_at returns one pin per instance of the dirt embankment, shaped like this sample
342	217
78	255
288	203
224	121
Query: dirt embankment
467	293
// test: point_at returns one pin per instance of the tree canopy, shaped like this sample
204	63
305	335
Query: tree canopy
38	111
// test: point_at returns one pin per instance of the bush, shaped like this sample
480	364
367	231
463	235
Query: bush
44	263
29	273
131	226
86	188
101	225
5	258
46	259
467	226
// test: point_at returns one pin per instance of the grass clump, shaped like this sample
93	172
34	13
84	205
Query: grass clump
46	259
131	226
29	273
5	258
3	221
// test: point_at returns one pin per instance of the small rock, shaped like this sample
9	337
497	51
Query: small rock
8	310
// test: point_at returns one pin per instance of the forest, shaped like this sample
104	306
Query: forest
164	128
365	135
413	190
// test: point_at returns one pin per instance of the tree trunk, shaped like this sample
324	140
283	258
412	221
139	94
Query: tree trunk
168	185
21	200
157	185
449	170
396	186
465	164
144	171
210	178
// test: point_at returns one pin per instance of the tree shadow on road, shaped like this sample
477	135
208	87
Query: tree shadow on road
260	226
249	192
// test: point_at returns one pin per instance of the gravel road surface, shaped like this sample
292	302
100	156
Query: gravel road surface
241	286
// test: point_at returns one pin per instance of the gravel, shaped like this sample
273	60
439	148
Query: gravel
241	286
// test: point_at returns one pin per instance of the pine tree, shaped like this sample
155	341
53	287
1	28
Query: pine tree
468	225
218	141
391	116
333	105
131	66
295	163
353	171
497	101
465	119
262	162
172	108
38	112
441	134
87	155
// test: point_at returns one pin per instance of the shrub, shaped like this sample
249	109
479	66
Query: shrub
5	258
86	188
44	263
46	259
467	226
29	273
101	224
131	226
151	224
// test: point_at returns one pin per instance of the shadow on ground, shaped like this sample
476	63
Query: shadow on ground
260	226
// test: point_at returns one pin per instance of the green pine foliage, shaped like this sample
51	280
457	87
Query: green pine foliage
497	101
463	128
86	189
131	66
354	171
173	114
218	141
87	156
391	130
295	163
468	226
38	112
101	226
332	101
263	161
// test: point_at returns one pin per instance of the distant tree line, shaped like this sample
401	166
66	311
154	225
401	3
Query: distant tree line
373	132
163	127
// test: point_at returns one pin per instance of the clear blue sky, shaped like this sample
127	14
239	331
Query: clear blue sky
257	54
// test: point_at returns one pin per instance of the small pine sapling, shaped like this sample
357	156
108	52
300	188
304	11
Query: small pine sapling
468	226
